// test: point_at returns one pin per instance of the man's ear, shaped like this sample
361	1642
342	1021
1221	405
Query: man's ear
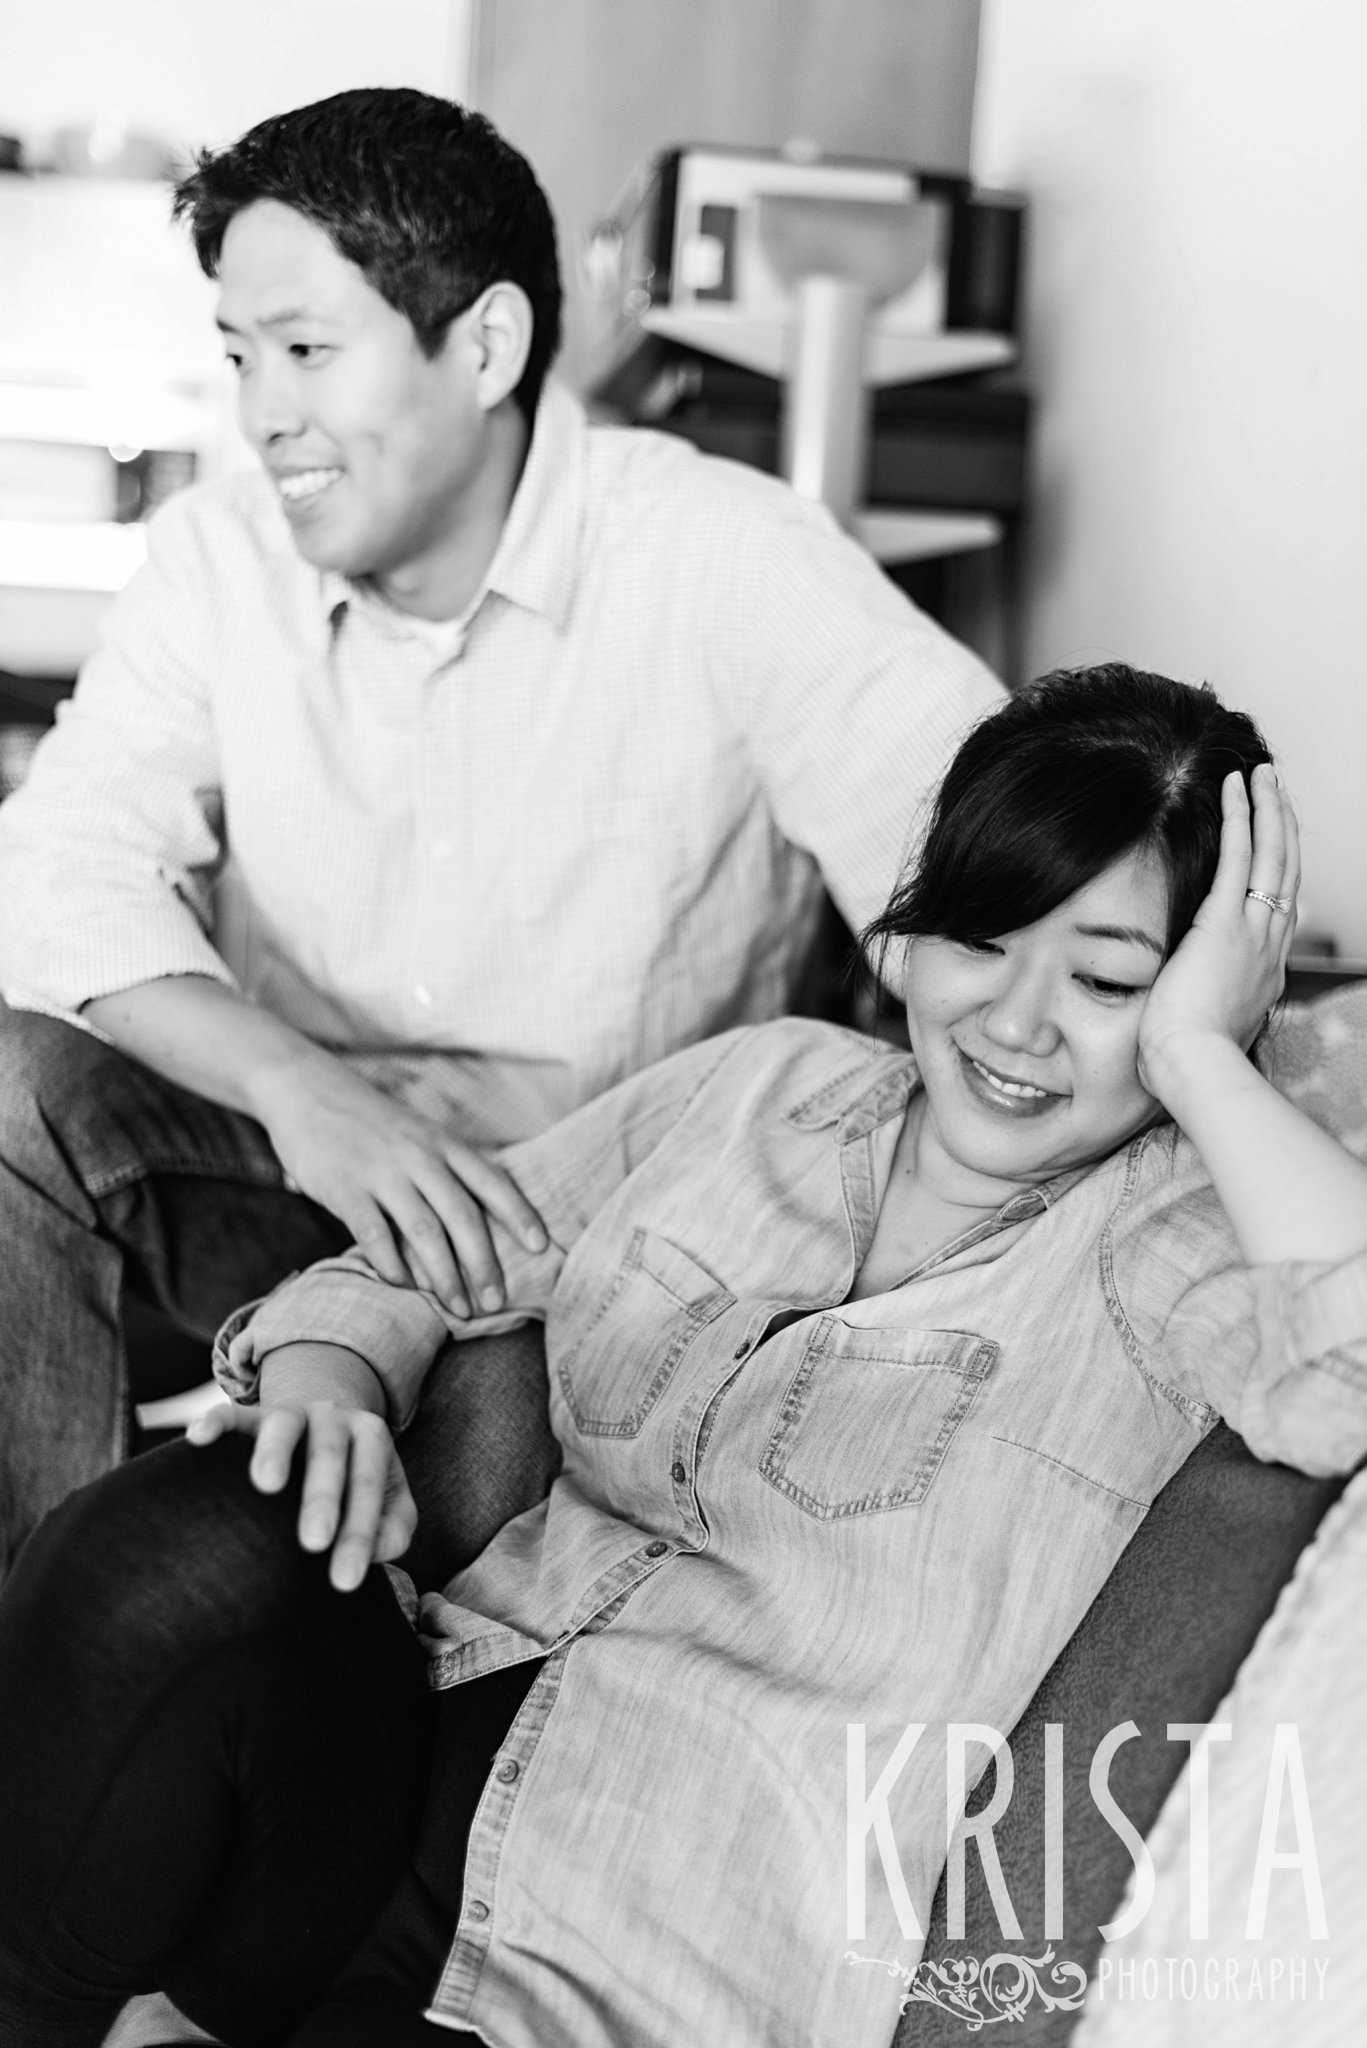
499	328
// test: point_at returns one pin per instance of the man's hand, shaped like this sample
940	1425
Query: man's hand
414	1198
356	1499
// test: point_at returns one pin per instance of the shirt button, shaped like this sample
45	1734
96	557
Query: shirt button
506	1773
741	1349
477	1910
656	1549
422	994
678	1472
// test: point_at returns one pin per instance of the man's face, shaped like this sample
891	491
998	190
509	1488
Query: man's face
375	450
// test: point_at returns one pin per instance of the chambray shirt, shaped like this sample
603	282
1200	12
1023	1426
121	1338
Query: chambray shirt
782	1511
503	873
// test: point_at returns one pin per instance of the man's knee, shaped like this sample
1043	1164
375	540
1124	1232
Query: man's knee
55	1084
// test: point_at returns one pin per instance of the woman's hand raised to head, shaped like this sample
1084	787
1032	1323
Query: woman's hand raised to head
1230	968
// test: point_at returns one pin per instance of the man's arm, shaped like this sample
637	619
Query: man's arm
107	858
852	700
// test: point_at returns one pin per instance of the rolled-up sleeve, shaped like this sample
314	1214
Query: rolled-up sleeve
1279	1350
398	1331
1282	1354
109	851
568	1173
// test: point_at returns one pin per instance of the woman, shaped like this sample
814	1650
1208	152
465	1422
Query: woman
865	1367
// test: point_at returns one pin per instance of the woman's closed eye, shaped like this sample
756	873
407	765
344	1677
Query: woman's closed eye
1111	991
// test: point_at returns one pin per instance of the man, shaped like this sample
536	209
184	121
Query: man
427	783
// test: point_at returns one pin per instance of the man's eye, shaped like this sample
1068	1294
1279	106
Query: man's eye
308	351
980	945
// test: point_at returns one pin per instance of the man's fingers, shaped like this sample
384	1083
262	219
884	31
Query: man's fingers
462	1223
500	1195
369	1226
430	1246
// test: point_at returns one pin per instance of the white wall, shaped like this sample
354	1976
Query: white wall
1198	342
200	71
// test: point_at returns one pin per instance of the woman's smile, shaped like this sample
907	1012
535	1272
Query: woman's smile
1003	1093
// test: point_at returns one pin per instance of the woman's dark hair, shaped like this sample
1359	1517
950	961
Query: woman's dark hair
426	199
1075	771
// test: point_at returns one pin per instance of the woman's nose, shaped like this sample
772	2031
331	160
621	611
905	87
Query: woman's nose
1020	1017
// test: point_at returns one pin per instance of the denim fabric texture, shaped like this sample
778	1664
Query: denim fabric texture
111	1177
781	1511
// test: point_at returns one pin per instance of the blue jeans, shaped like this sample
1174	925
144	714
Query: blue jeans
114	1180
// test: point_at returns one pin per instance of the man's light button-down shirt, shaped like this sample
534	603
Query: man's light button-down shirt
679	692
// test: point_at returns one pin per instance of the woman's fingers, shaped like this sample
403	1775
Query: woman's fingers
1268	866
367	1491
355	1498
1228	890
222	1421
327	1470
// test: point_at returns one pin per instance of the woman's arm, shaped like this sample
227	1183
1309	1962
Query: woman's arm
1290	1191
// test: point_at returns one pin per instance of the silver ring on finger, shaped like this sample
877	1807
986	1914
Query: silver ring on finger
1279	903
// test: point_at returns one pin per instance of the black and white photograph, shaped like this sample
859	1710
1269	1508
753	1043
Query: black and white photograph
683	1023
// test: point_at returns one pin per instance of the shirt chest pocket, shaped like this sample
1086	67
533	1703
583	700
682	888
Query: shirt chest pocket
615	1372
868	1417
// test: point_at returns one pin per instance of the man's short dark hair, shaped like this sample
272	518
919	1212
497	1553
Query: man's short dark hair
423	196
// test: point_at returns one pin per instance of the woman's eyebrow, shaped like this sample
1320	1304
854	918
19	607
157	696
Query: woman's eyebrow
1131	934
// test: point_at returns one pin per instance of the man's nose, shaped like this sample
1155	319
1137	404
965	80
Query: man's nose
268	406
1020	1016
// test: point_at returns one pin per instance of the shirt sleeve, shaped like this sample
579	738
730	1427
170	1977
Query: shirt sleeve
852	700
568	1174
1280	1351
108	852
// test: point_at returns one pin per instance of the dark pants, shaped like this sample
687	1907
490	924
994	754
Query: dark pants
214	1771
113	1180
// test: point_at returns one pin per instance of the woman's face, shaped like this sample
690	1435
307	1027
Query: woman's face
1027	1043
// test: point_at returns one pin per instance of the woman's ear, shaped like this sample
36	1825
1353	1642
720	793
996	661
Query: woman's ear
499	326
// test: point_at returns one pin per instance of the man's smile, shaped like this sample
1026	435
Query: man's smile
302	486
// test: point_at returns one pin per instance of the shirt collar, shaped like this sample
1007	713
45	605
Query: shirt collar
867	1096
536	562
